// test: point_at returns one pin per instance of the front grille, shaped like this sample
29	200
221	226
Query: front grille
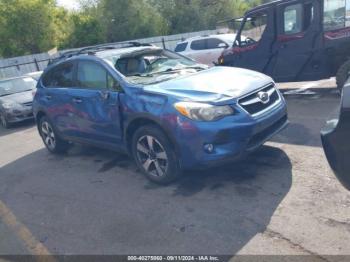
253	104
27	104
259	138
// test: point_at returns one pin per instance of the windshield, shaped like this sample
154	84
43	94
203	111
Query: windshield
149	67
17	85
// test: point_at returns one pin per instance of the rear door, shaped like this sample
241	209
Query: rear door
198	50
215	46
96	103
299	40
206	50
54	97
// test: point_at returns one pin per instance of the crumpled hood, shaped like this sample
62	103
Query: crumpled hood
20	98
215	85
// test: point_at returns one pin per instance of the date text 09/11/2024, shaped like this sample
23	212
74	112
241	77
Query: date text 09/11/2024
173	258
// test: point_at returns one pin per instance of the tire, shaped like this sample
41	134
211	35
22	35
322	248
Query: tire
4	123
52	141
154	155
343	74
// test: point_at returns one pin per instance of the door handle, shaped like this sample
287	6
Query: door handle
48	97
77	100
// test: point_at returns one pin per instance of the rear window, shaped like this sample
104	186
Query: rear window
181	47
198	44
60	76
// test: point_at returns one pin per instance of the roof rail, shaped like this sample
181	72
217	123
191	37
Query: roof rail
91	50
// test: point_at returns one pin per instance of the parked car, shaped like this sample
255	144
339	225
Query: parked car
165	110
205	49
335	138
36	75
16	98
293	40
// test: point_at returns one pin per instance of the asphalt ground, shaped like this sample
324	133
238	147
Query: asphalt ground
281	200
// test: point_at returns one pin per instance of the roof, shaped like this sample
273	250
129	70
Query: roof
102	51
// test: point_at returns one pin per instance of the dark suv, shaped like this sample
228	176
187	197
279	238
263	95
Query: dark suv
167	111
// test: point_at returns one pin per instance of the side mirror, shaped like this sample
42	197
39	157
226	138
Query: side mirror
223	45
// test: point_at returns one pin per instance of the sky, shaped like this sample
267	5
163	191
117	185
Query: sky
69	4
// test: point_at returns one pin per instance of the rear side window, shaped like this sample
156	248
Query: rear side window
60	76
181	47
336	14
213	43
293	19
198	44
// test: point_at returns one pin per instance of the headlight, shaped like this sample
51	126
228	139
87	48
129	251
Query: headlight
203	112
8	105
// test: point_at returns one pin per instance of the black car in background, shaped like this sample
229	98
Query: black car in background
336	142
16	99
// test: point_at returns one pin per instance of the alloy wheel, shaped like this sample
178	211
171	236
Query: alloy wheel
48	135
152	156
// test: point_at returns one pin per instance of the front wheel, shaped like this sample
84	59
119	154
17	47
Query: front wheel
154	155
51	139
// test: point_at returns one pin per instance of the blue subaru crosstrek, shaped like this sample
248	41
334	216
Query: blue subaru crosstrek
167	111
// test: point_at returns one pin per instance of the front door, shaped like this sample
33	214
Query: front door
298	44
96	100
253	48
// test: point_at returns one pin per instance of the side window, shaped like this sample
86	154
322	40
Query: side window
254	28
91	75
293	19
213	43
198	44
112	84
336	13
181	47
60	76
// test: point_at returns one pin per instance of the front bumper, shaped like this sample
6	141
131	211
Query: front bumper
19	115
233	138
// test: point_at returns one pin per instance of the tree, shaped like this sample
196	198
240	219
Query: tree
129	19
195	15
85	30
33	26
28	26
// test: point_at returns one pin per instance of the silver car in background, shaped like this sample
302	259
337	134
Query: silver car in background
16	99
